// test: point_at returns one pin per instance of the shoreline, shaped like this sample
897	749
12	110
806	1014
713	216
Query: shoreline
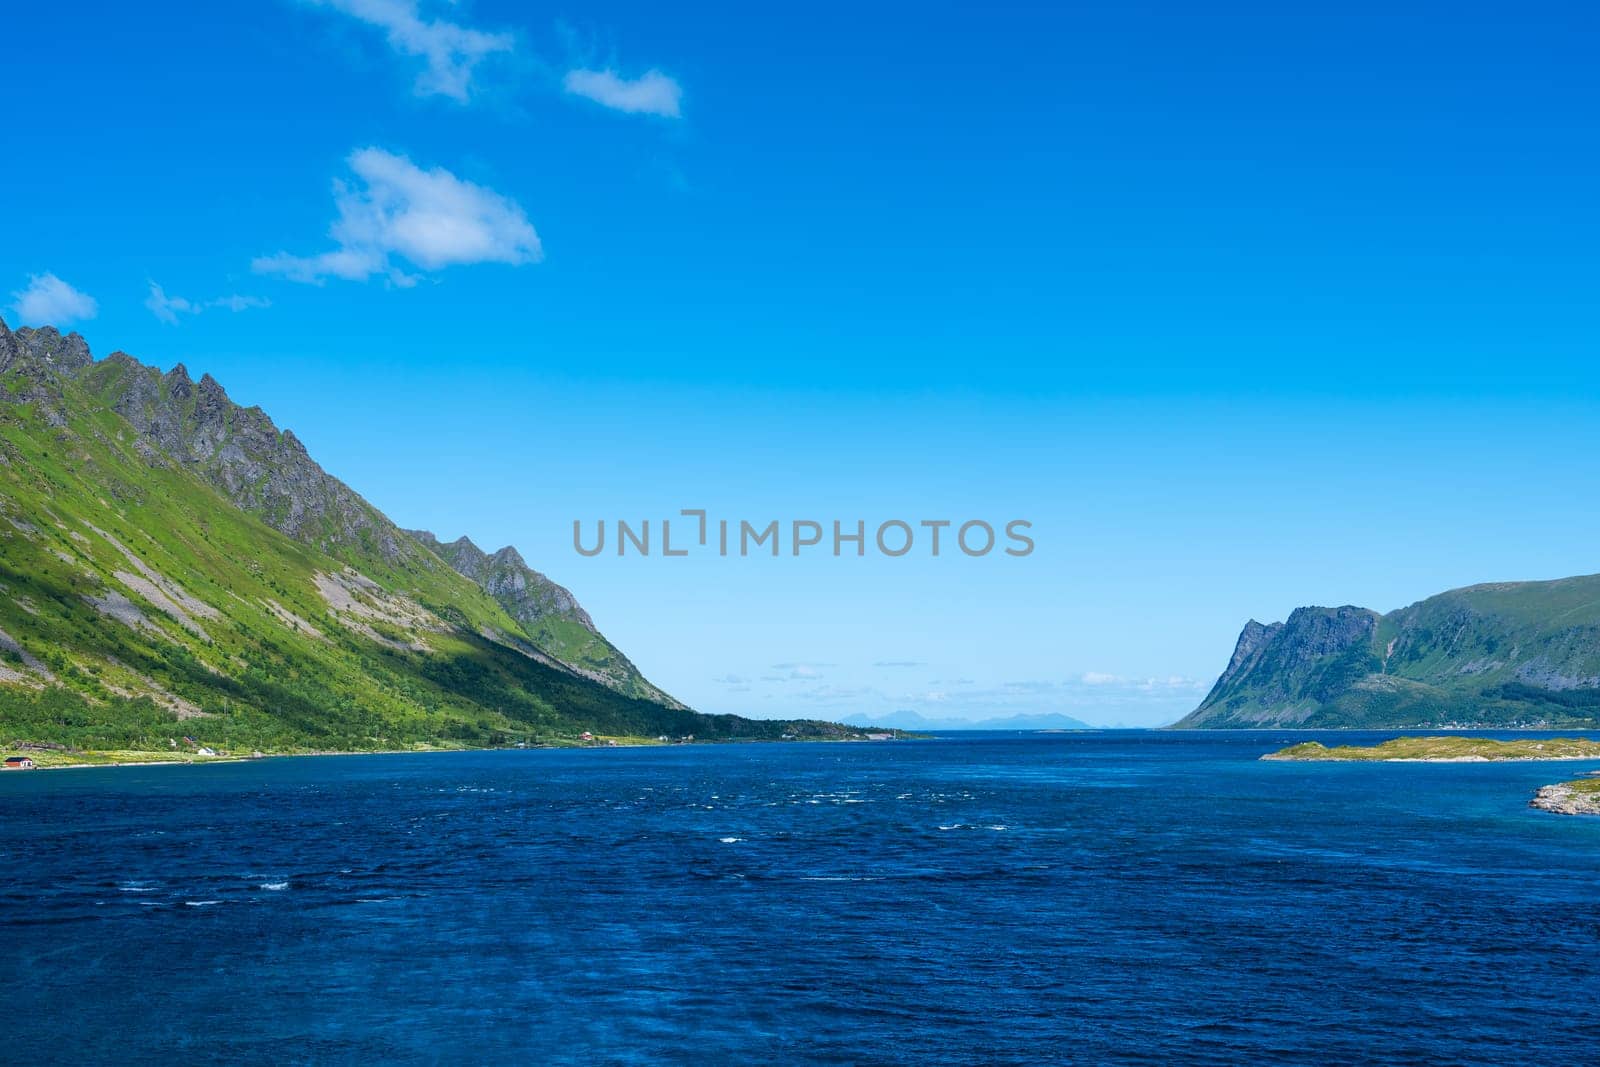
1274	757
611	743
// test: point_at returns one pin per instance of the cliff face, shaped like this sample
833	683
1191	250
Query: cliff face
1507	654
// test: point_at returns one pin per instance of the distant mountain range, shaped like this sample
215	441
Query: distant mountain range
172	564
910	720
1508	654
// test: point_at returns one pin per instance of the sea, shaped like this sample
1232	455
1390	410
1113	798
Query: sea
1097	897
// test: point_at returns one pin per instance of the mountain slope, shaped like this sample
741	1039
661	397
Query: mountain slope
547	613
268	473
171	564
1503	654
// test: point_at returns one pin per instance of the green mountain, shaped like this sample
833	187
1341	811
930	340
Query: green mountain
1508	654
173	564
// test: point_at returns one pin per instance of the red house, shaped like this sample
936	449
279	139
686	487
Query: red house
18	763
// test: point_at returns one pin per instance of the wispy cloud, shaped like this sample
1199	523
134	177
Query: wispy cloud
450	51
798	671
1148	685
899	663
430	219
47	300
169	308
1029	686
651	93
833	694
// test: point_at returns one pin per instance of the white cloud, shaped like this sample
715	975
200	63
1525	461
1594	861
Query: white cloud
449	50
652	93
49	301
1098	678
168	308
429	218
236	302
833	694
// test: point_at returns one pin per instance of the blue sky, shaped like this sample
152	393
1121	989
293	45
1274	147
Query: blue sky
1242	307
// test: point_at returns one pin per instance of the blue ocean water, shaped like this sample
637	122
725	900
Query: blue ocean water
1098	897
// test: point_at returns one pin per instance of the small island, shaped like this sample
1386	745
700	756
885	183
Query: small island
1446	750
1580	797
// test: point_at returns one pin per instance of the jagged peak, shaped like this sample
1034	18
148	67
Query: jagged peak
464	546
211	386
461	546
509	554
69	351
505	556
179	384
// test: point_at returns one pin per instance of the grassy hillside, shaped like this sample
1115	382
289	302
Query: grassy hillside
139	603
1517	654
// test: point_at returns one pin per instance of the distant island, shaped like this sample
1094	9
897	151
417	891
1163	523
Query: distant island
912	721
1507	655
1445	750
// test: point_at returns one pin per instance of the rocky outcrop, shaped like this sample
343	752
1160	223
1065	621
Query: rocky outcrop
240	451
47	345
34	360
1253	640
550	616
527	595
1569	798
